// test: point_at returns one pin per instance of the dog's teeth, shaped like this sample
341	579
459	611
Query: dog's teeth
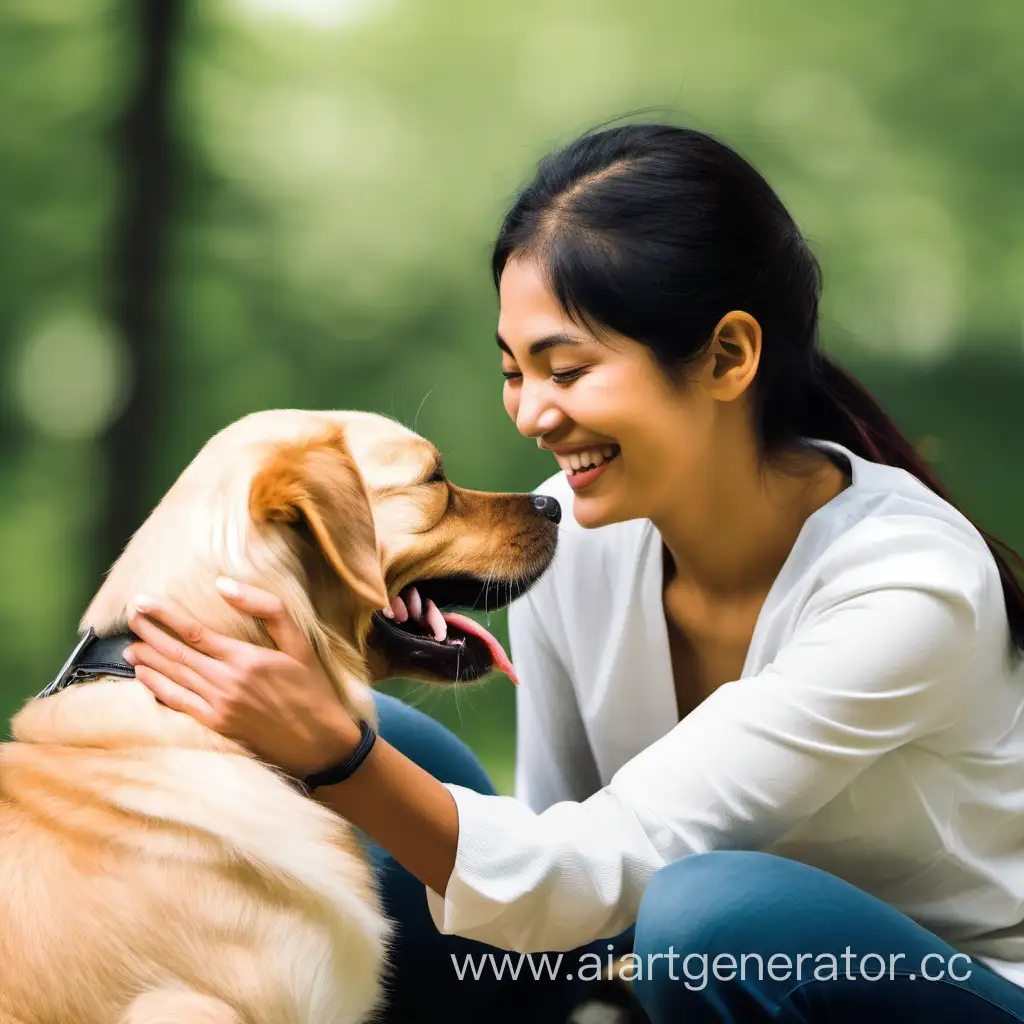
435	620
415	603
388	612
398	607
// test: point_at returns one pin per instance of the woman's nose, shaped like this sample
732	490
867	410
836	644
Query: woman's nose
535	419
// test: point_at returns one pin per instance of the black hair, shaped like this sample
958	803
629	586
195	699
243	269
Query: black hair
655	232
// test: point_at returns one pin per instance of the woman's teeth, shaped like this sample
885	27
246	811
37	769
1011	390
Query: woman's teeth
410	605
578	462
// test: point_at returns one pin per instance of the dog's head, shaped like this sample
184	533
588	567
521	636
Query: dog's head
336	512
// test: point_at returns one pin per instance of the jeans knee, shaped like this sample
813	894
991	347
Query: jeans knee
715	901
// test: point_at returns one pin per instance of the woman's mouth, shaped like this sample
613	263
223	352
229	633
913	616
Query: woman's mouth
584	467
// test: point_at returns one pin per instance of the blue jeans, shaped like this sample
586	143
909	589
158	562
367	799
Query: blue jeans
730	903
423	983
727	936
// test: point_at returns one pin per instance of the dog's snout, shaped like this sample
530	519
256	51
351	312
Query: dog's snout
547	507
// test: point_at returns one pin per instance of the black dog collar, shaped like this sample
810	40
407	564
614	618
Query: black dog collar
94	656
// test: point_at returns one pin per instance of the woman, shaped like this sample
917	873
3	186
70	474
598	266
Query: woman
772	694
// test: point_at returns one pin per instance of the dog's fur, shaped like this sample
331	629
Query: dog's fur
153	872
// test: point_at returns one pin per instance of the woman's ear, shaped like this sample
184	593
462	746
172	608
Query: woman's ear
734	355
318	482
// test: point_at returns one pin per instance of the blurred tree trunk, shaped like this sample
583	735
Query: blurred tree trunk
145	164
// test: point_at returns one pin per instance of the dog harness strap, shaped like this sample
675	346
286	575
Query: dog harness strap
93	656
343	769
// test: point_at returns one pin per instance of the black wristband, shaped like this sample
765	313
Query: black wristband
343	769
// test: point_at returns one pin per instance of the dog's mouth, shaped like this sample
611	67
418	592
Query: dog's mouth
439	640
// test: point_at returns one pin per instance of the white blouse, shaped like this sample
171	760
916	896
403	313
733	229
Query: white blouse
875	732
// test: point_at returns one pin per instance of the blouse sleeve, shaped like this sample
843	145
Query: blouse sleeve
880	659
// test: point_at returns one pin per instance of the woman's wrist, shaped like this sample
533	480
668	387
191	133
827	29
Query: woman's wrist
347	765
339	737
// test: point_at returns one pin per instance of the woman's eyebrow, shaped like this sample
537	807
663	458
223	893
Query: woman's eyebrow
541	344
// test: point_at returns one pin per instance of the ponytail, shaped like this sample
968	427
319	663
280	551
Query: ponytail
841	409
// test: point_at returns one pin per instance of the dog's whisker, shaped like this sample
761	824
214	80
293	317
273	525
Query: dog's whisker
416	418
481	594
487	594
458	709
419	694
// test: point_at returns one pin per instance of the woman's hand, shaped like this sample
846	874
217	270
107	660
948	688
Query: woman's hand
279	704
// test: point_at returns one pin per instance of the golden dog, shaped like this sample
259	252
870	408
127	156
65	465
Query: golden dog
154	872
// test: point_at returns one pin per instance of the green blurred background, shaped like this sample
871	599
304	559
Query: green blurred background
212	208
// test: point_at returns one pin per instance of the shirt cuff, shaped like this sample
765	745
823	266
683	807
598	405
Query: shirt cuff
460	911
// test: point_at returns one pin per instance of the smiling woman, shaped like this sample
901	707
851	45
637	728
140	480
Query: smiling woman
583	463
771	672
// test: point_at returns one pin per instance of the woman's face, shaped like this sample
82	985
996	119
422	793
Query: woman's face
601	401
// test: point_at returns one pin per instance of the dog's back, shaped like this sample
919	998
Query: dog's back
161	882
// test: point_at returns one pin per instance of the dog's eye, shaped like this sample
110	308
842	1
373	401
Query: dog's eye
437	477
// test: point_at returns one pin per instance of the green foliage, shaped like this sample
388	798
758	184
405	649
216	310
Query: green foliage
341	167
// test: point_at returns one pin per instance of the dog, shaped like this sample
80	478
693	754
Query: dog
154	872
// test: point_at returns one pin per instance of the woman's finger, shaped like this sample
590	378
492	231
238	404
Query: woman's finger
171	649
143	654
174	696
261	604
199	637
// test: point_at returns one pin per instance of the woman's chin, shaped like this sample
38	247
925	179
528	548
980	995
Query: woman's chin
592	512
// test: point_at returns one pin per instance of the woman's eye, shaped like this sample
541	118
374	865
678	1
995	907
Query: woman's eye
511	374
566	376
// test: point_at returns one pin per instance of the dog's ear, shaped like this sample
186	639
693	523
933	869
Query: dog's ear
317	481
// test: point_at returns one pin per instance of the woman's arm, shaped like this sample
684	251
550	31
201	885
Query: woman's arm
757	757
881	660
281	705
405	809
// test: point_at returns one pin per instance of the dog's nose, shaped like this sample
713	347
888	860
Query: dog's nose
547	507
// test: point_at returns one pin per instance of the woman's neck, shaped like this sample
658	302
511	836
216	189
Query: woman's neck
730	537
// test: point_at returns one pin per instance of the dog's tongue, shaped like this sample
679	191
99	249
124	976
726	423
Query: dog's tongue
501	660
